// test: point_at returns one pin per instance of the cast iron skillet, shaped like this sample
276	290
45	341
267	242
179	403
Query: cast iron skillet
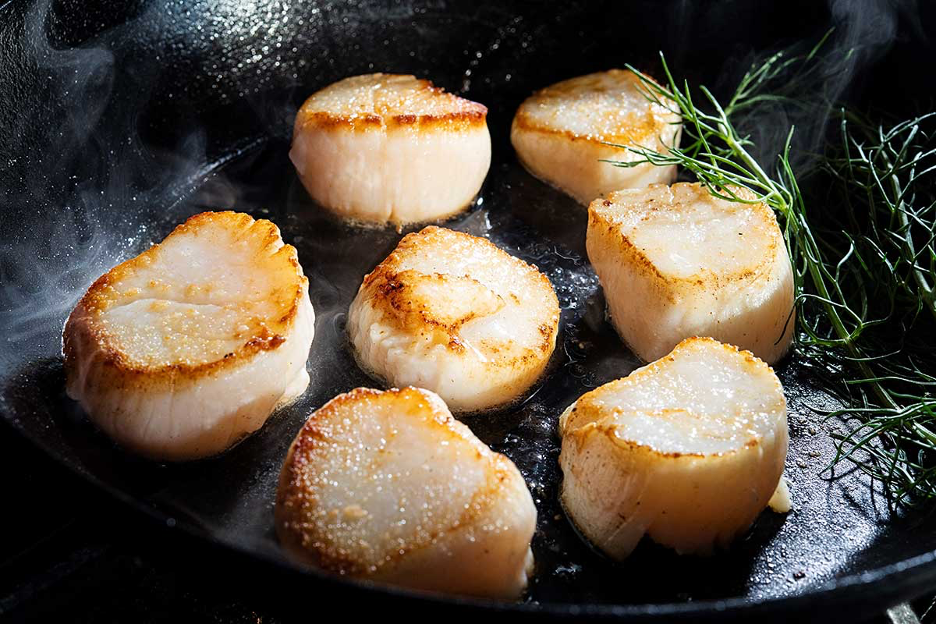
120	119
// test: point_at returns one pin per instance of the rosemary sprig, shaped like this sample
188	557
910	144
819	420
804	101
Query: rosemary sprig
862	273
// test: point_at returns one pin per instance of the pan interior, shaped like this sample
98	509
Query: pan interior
102	175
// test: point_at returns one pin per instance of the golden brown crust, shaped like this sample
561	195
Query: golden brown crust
635	128
392	291
413	309
395	112
591	409
297	502
600	221
580	436
462	120
85	329
610	430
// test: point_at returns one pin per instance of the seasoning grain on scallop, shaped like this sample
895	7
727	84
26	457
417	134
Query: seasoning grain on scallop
454	314
389	148
562	134
181	351
675	262
687	450
388	486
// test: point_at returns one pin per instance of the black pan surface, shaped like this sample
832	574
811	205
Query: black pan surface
120	120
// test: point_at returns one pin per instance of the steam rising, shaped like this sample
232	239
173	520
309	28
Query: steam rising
78	182
863	31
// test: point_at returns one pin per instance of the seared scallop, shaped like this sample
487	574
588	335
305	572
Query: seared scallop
386	148
454	314
687	451
562	134
676	261
182	351
388	486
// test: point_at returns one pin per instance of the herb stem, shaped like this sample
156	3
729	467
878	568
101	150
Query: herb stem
926	290
859	288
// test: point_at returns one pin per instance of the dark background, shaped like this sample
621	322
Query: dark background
109	108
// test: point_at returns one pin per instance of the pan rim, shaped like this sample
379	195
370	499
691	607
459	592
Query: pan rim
893	583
